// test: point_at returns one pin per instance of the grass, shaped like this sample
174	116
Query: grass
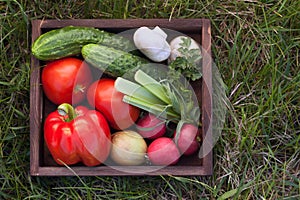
256	49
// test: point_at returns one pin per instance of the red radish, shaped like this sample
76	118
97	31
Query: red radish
187	142
151	127
163	151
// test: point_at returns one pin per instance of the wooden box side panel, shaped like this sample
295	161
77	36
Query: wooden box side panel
207	111
123	171
35	106
181	25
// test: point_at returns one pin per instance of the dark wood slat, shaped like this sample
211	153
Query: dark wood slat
185	25
121	171
35	106
207	97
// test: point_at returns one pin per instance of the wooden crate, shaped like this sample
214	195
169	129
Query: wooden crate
41	162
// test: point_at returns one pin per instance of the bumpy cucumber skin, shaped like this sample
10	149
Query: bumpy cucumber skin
110	60
69	40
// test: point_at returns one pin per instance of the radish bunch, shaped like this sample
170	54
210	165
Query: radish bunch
164	150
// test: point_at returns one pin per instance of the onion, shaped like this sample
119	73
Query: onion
128	148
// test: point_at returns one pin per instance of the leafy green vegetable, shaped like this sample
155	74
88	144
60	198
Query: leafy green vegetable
174	99
133	89
188	63
152	85
162	110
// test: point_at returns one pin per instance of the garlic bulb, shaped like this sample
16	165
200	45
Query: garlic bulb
178	43
152	43
186	57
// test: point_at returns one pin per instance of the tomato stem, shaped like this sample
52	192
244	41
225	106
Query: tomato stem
66	109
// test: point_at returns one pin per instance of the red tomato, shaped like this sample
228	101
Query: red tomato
66	80
103	96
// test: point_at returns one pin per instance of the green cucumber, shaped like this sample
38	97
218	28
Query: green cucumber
110	60
68	41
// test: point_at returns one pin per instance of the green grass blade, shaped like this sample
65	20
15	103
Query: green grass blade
228	194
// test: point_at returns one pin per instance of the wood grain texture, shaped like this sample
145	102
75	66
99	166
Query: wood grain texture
35	106
42	163
184	25
207	111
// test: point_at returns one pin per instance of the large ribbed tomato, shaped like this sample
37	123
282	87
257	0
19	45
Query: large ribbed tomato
103	96
66	80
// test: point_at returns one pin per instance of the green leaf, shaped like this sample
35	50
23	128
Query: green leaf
186	42
228	194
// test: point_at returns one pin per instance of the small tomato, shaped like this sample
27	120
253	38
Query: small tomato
103	96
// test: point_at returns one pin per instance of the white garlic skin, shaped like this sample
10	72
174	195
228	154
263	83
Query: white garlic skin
175	44
152	43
